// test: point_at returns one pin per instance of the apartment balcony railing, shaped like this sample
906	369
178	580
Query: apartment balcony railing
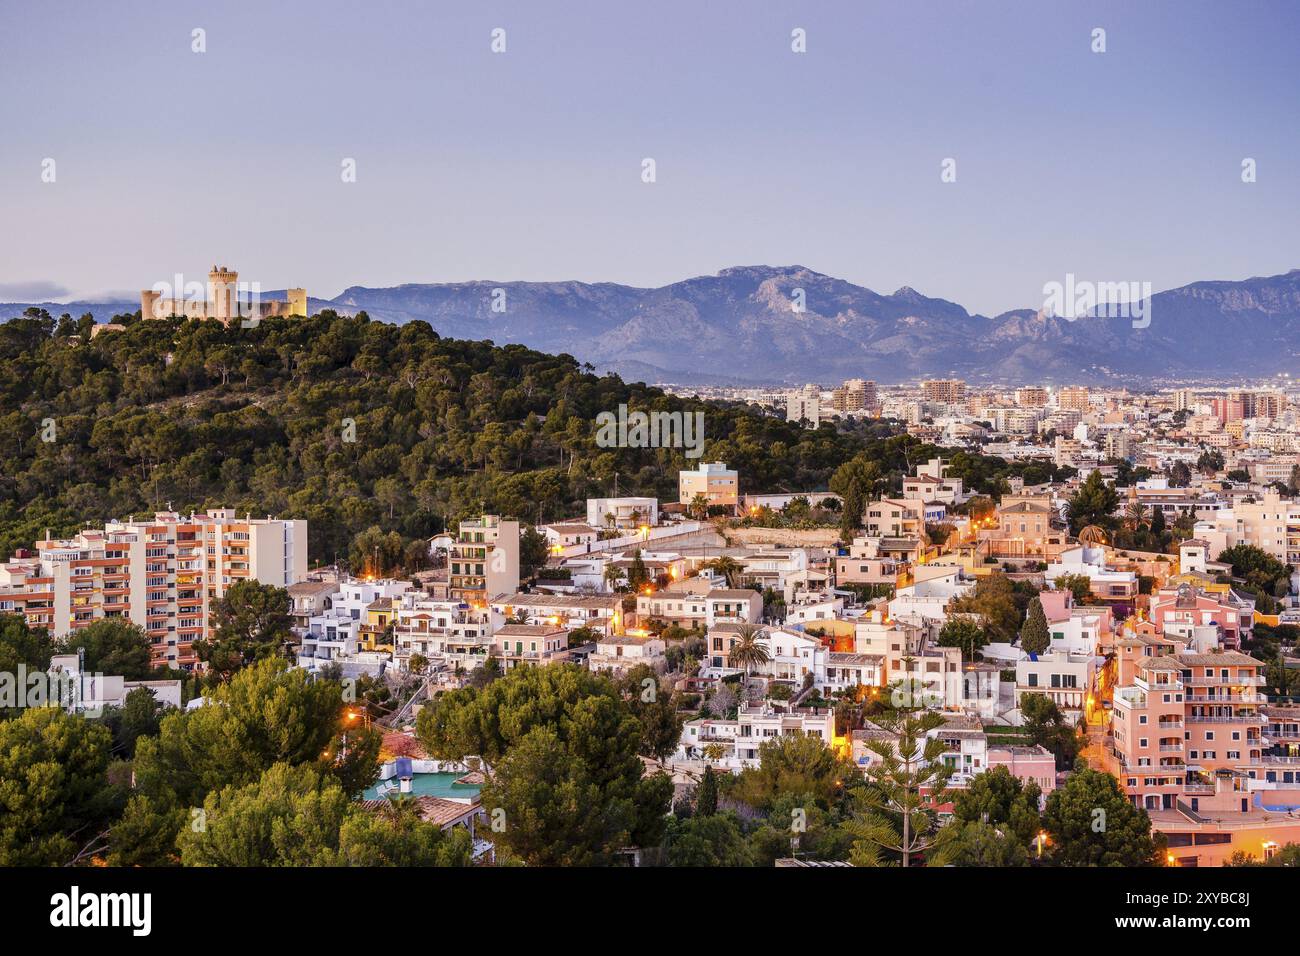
1242	681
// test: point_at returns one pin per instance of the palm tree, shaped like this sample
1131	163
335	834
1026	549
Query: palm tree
728	567
699	506
613	574
1134	514
747	652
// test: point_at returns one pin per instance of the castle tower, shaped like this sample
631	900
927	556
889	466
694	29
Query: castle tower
297	301
149	304
223	296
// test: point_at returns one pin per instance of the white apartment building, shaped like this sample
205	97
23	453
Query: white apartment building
627	512
804	405
739	740
1066	678
335	635
617	655
446	633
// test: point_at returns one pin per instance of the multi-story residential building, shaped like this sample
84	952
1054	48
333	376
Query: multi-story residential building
719	485
1076	629
894	518
682	608
1281	737
732	606
949	391
1188	738
1118	444
931	483
600	612
1120	587
1064	677
849	671
855	396
351	625
868	563
1188	606
737	741
164	573
804	405
451	633
484	560
309	599
925	601
1181	717
759	723
531	644
1073	397
1031	396
1022	529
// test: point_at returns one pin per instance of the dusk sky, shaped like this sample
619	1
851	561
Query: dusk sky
526	165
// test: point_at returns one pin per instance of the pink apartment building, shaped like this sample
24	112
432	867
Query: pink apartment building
1187	743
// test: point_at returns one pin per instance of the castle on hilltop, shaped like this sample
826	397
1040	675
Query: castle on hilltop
223	301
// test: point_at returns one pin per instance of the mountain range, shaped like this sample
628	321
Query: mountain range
739	327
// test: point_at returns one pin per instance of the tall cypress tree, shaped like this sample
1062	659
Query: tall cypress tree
706	799
1034	636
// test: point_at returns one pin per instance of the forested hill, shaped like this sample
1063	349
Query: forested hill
200	415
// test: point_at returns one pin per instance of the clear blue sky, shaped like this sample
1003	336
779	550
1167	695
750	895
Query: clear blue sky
526	165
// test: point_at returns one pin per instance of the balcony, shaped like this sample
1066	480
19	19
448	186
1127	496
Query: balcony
1245	680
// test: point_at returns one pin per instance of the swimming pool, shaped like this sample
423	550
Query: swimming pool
427	785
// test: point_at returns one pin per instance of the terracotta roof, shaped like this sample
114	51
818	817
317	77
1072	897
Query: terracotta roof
434	810
1234	658
529	630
